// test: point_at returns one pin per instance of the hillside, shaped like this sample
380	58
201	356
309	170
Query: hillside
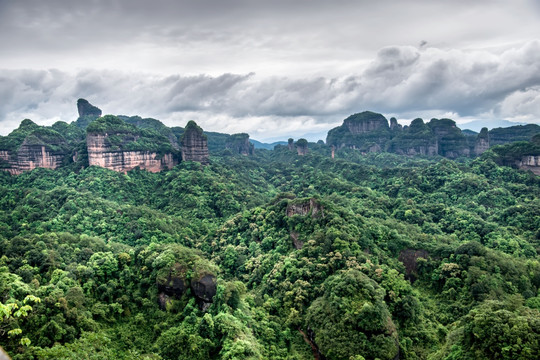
301	252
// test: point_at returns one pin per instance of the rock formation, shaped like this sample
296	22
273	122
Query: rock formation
239	144
451	141
482	142
85	108
118	146
204	288
87	113
416	139
366	131
302	147
31	146
304	207
394	126
194	144
530	162
290	144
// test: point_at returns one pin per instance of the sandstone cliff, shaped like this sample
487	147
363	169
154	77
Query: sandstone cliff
301	147
366	131
194	144
482	142
239	144
118	146
31	146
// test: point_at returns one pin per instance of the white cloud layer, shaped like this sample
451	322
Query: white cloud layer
280	68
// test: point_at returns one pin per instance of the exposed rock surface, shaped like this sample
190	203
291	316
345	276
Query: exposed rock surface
482	142
302	147
530	162
204	288
366	131
31	146
85	108
365	122
194	144
451	141
101	154
239	144
173	286
118	146
304	207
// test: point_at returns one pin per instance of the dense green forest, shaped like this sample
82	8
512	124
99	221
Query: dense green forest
376	256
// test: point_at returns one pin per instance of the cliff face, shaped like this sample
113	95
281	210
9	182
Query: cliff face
87	113
31	146
482	142
530	162
239	144
302	147
118	146
451	141
194	144
101	154
366	131
500	136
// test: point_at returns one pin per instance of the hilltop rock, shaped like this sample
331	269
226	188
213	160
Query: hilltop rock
394	126
482	142
31	146
194	144
204	288
304	207
118	146
302	147
85	108
500	136
239	144
451	142
366	131
416	139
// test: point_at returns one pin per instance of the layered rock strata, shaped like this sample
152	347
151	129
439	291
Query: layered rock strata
100	153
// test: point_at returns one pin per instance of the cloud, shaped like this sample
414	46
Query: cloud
399	80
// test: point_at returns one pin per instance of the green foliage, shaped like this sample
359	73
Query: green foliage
310	243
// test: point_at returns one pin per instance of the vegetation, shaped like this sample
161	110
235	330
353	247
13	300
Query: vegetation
356	257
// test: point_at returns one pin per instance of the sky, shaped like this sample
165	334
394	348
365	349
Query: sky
274	69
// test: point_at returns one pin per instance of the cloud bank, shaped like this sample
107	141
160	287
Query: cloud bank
402	81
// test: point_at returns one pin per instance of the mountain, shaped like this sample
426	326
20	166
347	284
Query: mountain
266	146
477	125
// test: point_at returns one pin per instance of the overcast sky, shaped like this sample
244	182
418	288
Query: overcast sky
272	68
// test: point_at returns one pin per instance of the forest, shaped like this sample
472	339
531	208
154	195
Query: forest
274	255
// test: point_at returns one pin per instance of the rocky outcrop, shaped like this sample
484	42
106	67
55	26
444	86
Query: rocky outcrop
32	146
366	131
239	144
87	113
530	162
365	122
451	141
290	144
194	144
30	157
394	126
482	142
118	146
302	147
85	108
500	136
304	207
204	288
100	153
416	139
